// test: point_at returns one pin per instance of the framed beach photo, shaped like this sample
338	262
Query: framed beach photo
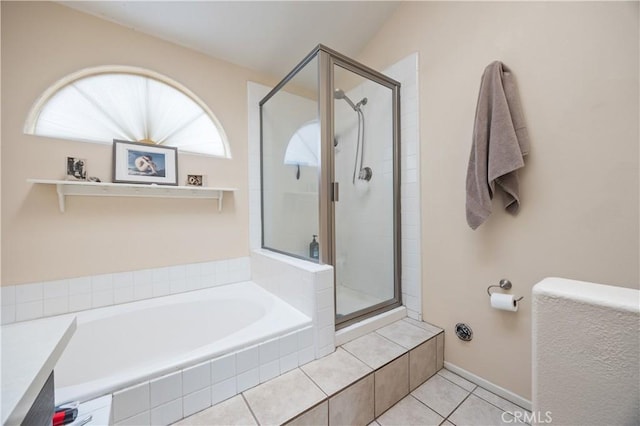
135	162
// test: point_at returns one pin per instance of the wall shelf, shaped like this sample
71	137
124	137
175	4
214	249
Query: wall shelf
101	189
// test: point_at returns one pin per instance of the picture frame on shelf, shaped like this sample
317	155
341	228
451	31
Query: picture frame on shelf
76	168
135	162
195	180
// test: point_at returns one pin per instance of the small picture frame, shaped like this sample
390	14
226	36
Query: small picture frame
195	180
76	168
135	162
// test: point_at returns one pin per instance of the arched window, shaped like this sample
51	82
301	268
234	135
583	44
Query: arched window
118	102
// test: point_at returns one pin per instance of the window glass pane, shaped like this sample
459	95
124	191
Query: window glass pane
105	106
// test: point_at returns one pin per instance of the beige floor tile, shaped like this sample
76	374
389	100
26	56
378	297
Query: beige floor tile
354	405
429	327
374	350
336	371
405	334
408	412
452	377
318	415
283	398
499	402
422	363
440	395
374	423
392	383
475	411
233	411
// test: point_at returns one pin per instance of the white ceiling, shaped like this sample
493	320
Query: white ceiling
267	36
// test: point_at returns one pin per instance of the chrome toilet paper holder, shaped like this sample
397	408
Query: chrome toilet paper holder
505	284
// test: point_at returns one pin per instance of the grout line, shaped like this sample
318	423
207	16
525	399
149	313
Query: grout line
297	416
414	397
249	407
374	369
314	382
457	406
385	337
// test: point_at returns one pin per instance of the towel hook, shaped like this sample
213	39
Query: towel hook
504	284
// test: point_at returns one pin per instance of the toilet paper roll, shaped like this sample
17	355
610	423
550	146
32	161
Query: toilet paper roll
505	302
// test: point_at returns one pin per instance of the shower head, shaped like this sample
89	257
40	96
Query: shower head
339	94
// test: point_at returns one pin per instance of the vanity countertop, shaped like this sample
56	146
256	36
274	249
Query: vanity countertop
30	350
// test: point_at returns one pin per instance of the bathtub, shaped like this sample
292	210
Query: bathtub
124	345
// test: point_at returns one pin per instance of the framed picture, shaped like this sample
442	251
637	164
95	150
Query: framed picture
76	168
135	162
195	180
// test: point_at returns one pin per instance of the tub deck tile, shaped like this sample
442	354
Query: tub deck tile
233	411
283	398
336	371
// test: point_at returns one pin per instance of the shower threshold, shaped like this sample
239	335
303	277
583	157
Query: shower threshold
368	325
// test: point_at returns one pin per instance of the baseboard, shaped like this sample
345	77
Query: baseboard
491	387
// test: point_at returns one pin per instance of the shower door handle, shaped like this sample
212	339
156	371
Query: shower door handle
335	192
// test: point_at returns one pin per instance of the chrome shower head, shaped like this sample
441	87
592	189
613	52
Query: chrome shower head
339	94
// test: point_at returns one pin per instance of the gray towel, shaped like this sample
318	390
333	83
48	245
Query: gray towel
500	141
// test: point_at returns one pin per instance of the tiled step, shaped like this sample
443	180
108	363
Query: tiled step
354	385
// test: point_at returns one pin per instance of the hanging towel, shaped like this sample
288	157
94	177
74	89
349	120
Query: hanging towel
500	141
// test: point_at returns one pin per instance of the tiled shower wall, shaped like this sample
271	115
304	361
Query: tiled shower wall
44	299
406	72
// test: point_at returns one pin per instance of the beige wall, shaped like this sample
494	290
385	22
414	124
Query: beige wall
42	42
576	65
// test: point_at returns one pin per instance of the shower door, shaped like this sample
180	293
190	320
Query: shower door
365	168
330	177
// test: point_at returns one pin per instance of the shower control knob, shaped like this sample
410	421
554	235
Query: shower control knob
365	174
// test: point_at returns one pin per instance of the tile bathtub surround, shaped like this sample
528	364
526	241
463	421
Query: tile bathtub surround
37	300
479	407
374	350
336	371
353	390
284	398
306	286
169	398
233	411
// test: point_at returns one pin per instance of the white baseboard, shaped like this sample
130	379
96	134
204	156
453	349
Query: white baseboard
492	387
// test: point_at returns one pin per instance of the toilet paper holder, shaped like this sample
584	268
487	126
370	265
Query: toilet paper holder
505	284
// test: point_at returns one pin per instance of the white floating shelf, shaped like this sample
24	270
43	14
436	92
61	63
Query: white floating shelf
100	189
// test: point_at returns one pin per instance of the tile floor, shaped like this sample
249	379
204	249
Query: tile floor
447	399
393	375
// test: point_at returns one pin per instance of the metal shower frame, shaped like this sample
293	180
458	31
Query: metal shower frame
328	188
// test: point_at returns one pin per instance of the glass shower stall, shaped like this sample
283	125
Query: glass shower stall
330	163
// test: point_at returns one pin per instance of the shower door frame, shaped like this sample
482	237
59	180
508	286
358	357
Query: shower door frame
328	59
327	187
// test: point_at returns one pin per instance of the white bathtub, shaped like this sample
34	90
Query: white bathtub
119	346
